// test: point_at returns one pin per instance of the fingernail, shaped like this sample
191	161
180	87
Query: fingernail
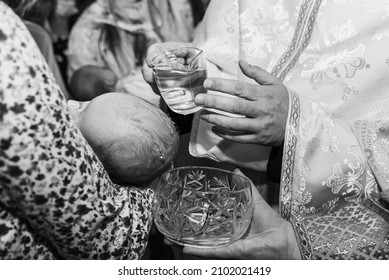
200	99
208	83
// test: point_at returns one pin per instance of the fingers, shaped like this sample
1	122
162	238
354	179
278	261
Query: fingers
264	216
152	52
233	87
229	252
227	104
234	136
157	48
237	124
243	130
243	89
147	73
259	75
256	196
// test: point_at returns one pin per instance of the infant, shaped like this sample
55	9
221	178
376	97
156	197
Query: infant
135	141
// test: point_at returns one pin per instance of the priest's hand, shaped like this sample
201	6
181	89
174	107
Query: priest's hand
269	237
263	104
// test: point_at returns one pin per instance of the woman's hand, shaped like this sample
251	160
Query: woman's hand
269	237
264	105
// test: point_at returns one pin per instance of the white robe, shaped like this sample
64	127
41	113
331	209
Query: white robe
333	57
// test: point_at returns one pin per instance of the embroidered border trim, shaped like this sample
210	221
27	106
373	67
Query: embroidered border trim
304	244
303	33
286	188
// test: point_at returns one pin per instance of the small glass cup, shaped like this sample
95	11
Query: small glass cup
202	206
180	74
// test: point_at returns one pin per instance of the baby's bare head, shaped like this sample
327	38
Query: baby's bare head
135	141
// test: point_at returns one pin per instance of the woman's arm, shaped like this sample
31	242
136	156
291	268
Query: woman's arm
50	177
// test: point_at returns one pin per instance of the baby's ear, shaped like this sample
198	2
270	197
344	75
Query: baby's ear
75	108
77	105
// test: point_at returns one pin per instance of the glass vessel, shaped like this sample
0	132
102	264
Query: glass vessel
202	206
180	74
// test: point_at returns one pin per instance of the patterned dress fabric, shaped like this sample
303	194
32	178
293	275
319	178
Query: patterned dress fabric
332	55
56	200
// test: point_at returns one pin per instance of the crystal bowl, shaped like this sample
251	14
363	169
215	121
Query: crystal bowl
202	206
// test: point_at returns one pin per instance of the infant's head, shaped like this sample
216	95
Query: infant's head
135	141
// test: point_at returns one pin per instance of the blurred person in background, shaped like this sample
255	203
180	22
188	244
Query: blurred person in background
110	39
59	25
37	15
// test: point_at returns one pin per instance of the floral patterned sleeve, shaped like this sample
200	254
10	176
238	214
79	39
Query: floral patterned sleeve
330	181
56	200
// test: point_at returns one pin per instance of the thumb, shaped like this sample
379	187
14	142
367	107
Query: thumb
259	75
264	216
257	197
